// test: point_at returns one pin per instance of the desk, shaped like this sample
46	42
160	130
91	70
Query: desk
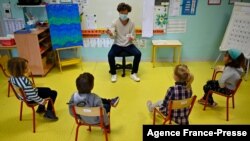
8	48
168	44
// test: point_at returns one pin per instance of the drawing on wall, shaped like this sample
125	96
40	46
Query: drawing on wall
65	28
160	17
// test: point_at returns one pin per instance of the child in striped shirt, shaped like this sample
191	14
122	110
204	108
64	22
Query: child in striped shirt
18	68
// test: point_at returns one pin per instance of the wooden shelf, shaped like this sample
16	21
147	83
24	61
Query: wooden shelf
71	61
28	46
40	40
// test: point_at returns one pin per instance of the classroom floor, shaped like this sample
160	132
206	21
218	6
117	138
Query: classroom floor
131	113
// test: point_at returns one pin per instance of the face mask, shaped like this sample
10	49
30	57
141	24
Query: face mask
123	17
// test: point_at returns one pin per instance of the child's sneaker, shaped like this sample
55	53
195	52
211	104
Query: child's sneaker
50	116
40	109
114	102
149	104
202	101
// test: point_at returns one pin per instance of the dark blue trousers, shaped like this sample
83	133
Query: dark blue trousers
115	49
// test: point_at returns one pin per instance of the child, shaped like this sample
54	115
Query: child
233	71
18	69
83	97
182	90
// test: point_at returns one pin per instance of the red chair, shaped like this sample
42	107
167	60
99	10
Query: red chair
8	76
217	71
22	97
173	105
90	112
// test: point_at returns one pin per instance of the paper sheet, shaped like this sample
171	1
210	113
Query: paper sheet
148	18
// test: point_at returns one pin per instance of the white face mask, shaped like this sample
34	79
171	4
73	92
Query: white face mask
123	17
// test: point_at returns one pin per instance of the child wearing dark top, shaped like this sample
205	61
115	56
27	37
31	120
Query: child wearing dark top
181	90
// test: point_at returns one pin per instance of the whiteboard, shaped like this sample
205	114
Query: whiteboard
105	11
237	34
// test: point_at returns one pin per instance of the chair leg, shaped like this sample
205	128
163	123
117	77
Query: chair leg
206	102
77	128
8	89
154	117
89	129
123	66
227	109
106	134
233	101
34	119
21	110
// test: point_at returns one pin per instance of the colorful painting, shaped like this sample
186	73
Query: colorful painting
64	24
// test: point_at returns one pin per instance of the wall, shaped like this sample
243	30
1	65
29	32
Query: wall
201	42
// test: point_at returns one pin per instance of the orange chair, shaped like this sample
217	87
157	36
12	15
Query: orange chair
174	105
215	73
90	112
22	97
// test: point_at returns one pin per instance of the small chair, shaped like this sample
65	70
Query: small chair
22	97
174	105
217	71
123	66
89	112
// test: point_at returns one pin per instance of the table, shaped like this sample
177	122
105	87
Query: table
175	44
8	48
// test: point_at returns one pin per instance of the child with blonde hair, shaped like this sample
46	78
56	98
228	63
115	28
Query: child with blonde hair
181	90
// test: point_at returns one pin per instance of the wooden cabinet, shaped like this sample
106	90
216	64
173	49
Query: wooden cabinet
36	48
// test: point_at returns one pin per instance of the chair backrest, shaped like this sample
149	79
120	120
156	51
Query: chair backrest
89	112
19	93
181	104
237	86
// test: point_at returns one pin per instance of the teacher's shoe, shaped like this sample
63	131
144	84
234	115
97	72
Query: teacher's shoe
113	78
135	77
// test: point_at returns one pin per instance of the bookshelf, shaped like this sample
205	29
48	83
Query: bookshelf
36	48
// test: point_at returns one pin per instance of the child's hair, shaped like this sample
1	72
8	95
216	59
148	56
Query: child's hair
85	82
237	58
17	66
123	6
183	74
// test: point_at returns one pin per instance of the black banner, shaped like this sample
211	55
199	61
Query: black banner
163	132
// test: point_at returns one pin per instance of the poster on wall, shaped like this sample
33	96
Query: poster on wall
65	28
189	7
161	14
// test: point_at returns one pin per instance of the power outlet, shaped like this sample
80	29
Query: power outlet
6	10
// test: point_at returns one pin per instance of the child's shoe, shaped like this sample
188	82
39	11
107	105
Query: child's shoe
114	102
203	102
149	104
40	109
50	116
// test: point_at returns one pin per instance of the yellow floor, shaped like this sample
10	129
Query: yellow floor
131	113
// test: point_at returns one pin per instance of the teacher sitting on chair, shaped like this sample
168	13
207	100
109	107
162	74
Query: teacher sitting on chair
122	31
